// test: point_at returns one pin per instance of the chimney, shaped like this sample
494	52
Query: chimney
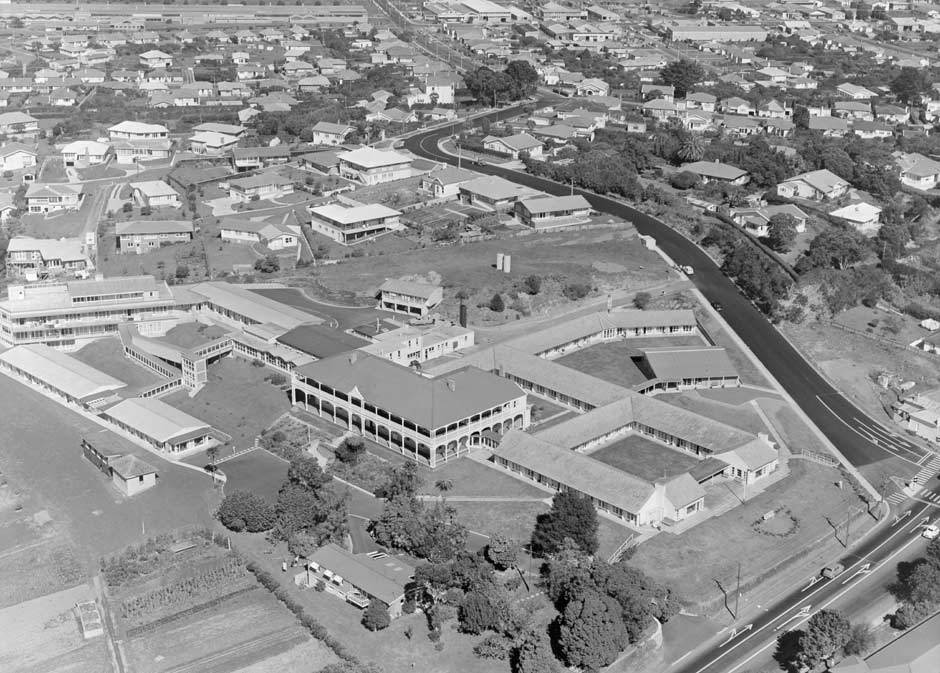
352	357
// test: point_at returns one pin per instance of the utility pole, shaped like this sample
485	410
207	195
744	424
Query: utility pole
737	594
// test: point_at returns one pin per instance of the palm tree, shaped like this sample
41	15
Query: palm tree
692	148
443	485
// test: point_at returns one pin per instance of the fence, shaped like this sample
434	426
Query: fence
821	458
622	548
880	339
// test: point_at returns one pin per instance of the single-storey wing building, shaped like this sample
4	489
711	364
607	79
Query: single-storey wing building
162	426
129	474
719	172
61	374
553	211
673	368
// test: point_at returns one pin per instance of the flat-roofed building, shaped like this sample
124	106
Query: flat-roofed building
553	211
410	344
143	236
35	258
130	130
430	420
164	427
371	167
352	224
409	297
320	341
60	374
68	314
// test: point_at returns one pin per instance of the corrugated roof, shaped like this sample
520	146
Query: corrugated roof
368	157
679	363
252	305
429	402
62	371
384	579
321	341
155	419
409	288
153	227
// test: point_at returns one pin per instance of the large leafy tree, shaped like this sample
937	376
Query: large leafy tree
826	633
781	232
524	75
683	75
910	84
572	516
836	247
691	148
535	655
243	510
591	633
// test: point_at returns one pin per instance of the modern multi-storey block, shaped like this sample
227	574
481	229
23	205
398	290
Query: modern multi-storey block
142	236
48	198
430	420
371	167
68	314
352	224
36	258
409	297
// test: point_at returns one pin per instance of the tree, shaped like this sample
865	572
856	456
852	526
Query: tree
350	450
305	471
910	84
480	612
403	480
683	75
571	516
826	633
496	303
375	617
400	525
838	161
861	640
684	180
320	514
535	655
642	299
212	453
692	148
444	485
591	633
182	271
243	510
781	232
268	264
532	284
835	247
503	551
524	75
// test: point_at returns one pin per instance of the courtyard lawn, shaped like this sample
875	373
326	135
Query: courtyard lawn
644	458
736	396
223	256
608	361
515	519
692	562
259	472
193	334
542	408
236	400
610	535
107	355
470	478
743	418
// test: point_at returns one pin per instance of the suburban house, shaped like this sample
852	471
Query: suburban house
16	157
84	153
143	236
371	167
920	413
435	90
855	92
260	186
493	193
918	171
445	182
756	221
352	224
552	211
155	194
48	198
820	185
252	158
156	59
129	130
513	146
429	420
212	143
409	297
134	151
272	232
327	133
864	216
18	124
359	578
36	258
718	172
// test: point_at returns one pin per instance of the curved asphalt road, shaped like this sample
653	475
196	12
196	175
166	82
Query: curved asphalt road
860	439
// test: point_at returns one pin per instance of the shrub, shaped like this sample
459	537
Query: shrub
496	303
642	299
576	291
350	450
182	271
375	617
532	284
493	647
242	510
269	264
684	180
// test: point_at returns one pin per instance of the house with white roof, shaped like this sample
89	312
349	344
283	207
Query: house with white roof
51	197
864	216
164	427
547	212
512	146
756	221
154	194
272	232
409	297
371	166
35	258
130	130
819	185
918	171
445	183
83	153
212	143
16	157
156	59
352	224
855	92
328	133
268	185
18	124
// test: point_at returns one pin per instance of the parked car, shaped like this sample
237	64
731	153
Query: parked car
931	532
833	571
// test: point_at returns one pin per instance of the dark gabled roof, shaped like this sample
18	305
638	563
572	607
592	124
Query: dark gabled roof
321	341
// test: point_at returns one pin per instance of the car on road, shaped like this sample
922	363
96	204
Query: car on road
834	570
717	306
931	532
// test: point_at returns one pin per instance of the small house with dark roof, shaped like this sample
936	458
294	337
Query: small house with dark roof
109	453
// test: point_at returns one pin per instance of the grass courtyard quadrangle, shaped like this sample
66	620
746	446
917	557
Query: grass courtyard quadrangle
644	458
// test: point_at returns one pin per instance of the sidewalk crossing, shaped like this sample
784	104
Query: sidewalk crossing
930	468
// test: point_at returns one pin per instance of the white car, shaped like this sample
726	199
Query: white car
931	532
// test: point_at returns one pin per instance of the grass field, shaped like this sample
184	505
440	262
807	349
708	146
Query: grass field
161	262
192	334
470	478
107	355
515	519
644	458
239	632
744	418
710	551
224	255
611	362
736	396
236	400
260	472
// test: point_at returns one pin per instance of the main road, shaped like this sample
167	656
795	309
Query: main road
861	439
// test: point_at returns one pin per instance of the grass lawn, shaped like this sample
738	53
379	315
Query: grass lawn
743	418
192	334
644	458
542	408
236	400
471	478
53	170
710	551
258	471
100	172
515	519
56	225
610	535
609	361
223	256
107	355
736	396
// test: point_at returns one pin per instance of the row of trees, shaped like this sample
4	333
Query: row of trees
828	635
518	80
918	587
